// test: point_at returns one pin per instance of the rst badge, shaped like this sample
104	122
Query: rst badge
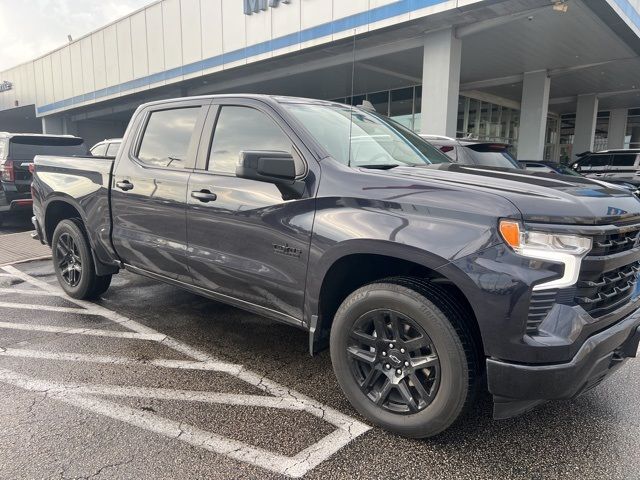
257	6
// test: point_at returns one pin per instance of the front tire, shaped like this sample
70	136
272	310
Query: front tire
73	262
403	357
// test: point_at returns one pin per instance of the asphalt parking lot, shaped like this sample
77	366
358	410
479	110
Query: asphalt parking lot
151	382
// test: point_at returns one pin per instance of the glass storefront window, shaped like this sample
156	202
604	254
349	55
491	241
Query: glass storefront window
632	138
402	106
601	138
380	101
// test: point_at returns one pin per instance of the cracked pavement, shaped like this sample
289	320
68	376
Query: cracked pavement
594	436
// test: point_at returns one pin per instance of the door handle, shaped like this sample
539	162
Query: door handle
125	185
598	174
204	196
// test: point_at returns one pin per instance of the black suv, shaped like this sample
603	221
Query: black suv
610	165
17	151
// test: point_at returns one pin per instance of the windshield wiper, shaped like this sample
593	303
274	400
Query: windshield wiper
383	166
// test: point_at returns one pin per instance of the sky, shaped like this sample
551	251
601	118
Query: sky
30	28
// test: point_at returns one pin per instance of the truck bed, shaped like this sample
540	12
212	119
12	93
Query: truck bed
84	181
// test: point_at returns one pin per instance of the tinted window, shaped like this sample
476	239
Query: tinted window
243	128
594	161
99	150
112	151
166	139
624	160
25	148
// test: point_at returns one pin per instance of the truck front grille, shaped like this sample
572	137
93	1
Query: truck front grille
602	293
616	242
608	277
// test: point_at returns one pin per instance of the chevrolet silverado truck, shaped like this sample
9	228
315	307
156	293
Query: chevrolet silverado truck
427	280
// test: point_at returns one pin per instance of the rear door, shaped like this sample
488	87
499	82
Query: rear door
594	166
623	167
149	191
247	241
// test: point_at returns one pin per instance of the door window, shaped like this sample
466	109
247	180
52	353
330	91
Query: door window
166	138
244	128
624	160
594	162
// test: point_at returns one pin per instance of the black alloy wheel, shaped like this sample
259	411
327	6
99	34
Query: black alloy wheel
69	260
394	361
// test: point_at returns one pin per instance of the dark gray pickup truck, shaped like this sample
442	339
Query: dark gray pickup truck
428	280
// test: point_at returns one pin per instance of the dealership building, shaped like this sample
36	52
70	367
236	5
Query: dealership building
552	78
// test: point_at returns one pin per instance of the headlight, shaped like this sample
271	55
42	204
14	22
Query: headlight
566	249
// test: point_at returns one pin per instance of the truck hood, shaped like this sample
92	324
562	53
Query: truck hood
540	197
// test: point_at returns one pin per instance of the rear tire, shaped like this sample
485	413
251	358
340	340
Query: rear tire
403	356
73	262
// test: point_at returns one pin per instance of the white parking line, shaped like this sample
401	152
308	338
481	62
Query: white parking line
155	337
229	368
18	291
347	428
20	306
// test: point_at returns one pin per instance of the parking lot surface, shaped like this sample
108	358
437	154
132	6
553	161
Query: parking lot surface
153	382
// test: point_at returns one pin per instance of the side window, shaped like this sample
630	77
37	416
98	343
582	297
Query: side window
99	150
166	138
594	162
624	160
112	151
244	128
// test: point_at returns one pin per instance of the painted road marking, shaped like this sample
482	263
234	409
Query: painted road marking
82	331
19	291
85	396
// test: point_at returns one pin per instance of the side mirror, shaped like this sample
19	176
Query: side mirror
278	168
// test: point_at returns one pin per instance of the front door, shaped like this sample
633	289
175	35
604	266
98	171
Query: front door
594	166
149	193
246	242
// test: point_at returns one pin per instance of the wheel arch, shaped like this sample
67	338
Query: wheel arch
344	270
65	207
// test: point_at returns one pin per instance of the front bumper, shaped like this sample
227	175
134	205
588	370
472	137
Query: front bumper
517	388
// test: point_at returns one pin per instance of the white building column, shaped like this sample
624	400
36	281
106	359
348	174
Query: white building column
441	83
585	131
617	128
52	125
533	115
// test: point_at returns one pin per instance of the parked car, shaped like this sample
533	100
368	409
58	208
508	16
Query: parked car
106	148
473	152
610	165
17	151
427	279
560	169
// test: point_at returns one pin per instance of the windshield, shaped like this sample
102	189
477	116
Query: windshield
361	139
491	155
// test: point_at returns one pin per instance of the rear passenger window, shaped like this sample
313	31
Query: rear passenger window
624	160
244	128
166	139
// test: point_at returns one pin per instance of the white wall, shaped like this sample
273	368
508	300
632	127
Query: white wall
180	34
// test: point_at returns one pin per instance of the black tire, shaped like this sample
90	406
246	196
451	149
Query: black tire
423	314
73	262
